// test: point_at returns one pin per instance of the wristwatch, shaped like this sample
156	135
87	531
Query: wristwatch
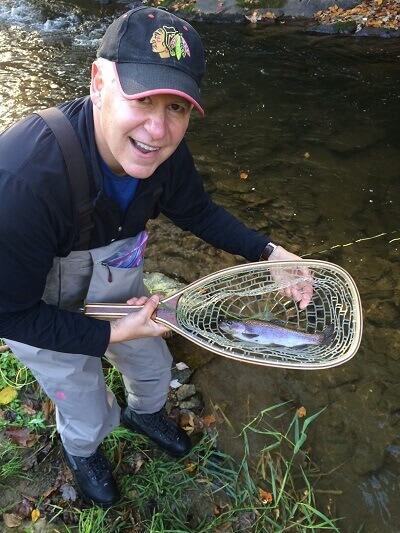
268	251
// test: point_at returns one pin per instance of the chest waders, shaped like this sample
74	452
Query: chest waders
86	409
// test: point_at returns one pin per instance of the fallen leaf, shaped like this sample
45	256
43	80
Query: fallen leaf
11	520
47	408
244	176
301	412
139	462
23	509
181	366
190	467
253	18
175	384
68	492
21	437
208	420
266	497
28	410
35	515
7	395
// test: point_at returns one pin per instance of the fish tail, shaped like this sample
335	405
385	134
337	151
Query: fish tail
327	334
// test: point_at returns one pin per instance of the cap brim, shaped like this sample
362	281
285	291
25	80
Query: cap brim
138	80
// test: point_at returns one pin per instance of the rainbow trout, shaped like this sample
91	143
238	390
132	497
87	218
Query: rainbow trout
262	332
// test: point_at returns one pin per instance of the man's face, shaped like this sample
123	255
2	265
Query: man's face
135	136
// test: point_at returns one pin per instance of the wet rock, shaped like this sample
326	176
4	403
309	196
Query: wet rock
382	314
182	376
185	391
355	137
158	283
378	32
368	457
343	28
195	403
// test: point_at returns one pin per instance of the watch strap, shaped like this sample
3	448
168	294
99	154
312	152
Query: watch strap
271	247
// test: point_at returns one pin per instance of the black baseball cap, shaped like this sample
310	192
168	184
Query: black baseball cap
155	52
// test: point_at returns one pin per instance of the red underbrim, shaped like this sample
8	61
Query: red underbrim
158	91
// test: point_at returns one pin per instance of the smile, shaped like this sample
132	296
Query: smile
144	148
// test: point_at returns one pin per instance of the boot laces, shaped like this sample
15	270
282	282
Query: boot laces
160	423
97	467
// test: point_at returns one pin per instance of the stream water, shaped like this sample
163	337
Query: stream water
314	123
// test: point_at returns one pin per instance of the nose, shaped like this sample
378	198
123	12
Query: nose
156	124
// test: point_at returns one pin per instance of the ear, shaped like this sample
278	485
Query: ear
96	85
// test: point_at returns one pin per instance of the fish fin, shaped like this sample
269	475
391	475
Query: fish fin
250	335
327	334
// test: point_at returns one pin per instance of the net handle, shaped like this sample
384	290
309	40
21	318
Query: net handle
165	313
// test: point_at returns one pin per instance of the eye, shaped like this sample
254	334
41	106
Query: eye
144	100
180	107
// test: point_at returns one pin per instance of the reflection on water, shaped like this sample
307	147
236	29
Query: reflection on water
314	123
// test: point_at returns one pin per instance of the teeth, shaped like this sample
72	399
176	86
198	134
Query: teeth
146	147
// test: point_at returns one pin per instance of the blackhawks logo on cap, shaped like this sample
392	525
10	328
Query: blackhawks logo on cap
169	42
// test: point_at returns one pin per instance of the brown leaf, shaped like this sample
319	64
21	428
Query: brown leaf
27	409
208	420
24	509
47	408
68	492
139	462
266	497
186	421
11	520
21	436
301	412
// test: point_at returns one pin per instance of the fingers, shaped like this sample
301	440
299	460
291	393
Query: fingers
137	301
140	323
297	285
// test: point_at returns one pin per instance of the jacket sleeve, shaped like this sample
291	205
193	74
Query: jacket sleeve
186	203
29	224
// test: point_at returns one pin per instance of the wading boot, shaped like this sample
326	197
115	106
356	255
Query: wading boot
160	429
93	478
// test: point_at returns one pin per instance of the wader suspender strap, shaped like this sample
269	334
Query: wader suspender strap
76	168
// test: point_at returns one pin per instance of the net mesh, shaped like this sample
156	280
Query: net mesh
252	291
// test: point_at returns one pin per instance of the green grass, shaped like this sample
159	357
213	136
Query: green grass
210	490
271	489
12	373
10	462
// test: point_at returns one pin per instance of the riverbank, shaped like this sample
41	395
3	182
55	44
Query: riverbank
372	18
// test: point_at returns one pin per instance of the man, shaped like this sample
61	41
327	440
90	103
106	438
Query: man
145	83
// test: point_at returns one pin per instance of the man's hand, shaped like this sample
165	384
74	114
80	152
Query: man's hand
138	324
300	291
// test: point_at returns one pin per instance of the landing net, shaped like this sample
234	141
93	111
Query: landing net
256	290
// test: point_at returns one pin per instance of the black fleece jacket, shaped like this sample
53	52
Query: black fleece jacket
38	222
